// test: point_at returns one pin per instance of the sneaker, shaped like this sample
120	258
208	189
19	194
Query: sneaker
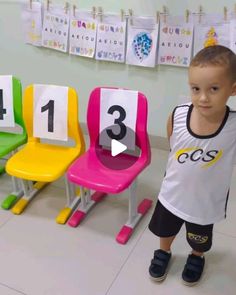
193	270
159	264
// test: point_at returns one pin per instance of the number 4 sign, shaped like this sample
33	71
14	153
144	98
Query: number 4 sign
118	114
6	102
50	112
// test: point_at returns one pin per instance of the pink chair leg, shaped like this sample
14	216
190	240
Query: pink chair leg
127	230
76	218
144	206
124	234
79	214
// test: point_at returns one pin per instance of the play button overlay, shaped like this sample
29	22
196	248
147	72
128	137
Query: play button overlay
114	153
117	147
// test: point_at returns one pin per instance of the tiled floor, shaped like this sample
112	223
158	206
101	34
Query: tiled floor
40	257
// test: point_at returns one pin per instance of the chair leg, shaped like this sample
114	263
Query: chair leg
136	212
30	189
88	201
17	193
2	169
73	199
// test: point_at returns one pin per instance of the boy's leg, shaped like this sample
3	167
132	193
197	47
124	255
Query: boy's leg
166	226
197	253
199	238
165	243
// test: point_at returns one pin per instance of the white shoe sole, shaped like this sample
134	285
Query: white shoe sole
160	279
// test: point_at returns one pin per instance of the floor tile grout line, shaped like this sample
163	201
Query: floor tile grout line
6	286
4	223
122	266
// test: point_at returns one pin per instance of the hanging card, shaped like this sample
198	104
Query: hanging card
111	36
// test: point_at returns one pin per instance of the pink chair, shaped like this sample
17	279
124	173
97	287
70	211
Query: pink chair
88	172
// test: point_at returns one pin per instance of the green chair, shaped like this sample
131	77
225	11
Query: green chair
9	141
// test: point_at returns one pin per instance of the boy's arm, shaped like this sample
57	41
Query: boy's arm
169	127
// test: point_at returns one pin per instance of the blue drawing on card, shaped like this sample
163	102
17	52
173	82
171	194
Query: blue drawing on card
142	45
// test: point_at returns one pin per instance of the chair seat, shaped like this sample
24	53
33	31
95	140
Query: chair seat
89	172
41	162
10	141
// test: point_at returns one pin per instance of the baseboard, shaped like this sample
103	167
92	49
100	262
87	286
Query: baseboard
157	142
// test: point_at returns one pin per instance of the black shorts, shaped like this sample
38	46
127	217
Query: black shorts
165	224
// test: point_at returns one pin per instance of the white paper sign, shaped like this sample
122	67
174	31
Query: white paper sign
142	42
50	112
233	35
118	109
211	34
83	32
6	102
111	35
176	43
32	23
56	30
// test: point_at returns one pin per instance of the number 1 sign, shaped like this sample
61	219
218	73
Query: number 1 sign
118	114
50	112
6	102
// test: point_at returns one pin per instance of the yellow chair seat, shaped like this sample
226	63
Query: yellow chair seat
41	162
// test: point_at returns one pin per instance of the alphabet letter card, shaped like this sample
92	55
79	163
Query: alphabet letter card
83	32
111	39
56	28
176	41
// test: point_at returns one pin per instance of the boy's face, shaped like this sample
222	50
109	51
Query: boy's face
211	86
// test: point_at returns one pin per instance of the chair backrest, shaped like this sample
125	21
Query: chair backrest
93	122
17	107
17	102
74	129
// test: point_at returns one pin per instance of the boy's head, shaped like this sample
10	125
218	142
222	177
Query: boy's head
217	55
212	78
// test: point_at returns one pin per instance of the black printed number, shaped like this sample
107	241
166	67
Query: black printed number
118	121
50	107
2	110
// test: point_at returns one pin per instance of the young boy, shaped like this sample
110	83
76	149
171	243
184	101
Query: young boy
195	188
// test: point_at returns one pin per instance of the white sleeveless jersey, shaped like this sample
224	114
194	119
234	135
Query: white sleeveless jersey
199	169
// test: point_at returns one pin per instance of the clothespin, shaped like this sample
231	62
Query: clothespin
100	13
165	13
48	4
131	16
157	17
30	3
94	12
200	12
66	8
74	9
122	13
187	13
225	13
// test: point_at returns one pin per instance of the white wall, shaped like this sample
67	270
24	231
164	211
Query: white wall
162	85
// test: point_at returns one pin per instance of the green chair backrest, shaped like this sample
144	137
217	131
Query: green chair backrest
17	101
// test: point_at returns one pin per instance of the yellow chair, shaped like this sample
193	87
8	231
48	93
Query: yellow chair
39	163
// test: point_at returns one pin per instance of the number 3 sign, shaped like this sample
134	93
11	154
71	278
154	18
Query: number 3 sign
118	113
6	102
50	112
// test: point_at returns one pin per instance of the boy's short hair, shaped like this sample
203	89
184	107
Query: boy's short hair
217	55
